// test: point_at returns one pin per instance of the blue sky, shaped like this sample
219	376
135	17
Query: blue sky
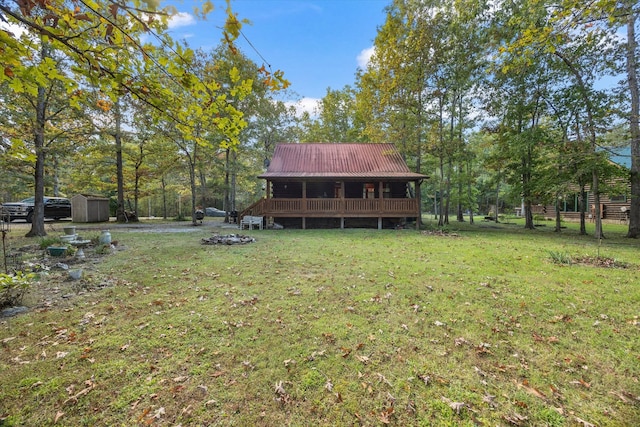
317	43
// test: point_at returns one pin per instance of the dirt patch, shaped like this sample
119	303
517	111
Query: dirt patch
601	262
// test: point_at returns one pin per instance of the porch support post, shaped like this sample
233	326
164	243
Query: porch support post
381	203
342	204
304	205
419	200
268	204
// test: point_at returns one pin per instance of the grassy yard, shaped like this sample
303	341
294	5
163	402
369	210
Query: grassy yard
483	325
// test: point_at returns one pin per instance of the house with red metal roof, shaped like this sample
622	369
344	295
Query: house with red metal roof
338	186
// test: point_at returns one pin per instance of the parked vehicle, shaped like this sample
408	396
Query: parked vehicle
214	212
54	208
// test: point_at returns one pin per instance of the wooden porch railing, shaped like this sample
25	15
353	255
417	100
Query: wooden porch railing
333	208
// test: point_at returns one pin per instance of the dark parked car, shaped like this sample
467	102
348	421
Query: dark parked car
54	207
214	212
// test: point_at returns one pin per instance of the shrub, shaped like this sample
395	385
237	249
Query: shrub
45	242
560	258
13	288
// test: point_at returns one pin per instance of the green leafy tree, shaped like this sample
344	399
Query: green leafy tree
337	119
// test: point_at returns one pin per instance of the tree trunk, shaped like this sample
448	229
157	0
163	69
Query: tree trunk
497	198
37	220
634	126
558	219
440	195
225	202
192	183
460	214
117	135
448	193
192	179
470	191
233	184
528	215
583	209
164	197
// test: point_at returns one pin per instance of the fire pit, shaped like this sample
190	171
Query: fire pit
228	239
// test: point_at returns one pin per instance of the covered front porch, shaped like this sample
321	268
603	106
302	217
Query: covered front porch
388	202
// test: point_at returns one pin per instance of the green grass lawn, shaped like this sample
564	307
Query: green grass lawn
478	326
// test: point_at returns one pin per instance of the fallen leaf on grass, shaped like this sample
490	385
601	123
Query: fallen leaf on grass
144	414
383	379
426	379
363	359
57	417
6	340
489	399
90	386
531	390
460	341
328	385
456	406
159	413
584	423
625	396
515	419
479	371
186	411
281	394
386	414
581	382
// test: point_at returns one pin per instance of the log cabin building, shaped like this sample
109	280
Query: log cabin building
324	185
615	204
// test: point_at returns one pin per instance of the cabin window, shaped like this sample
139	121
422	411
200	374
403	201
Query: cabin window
571	202
621	198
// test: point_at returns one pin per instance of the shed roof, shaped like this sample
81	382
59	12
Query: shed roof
326	160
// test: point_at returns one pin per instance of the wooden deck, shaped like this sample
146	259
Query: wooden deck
335	208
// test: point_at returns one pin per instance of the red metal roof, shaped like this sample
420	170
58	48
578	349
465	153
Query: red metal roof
338	161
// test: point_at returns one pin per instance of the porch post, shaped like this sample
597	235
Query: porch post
342	204
268	204
304	204
419	200
380	203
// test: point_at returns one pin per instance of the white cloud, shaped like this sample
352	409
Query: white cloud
365	56
16	29
181	19
309	105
